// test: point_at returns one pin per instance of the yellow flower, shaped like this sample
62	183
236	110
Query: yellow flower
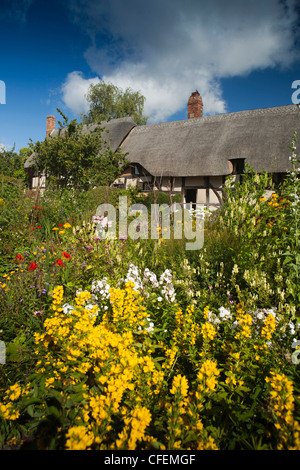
8	412
283	407
135	427
245	321
208	331
205	312
49	381
14	392
67	225
269	327
180	383
207	377
79	438
55	228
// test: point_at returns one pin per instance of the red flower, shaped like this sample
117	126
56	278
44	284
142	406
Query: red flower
66	255
32	266
19	257
60	225
59	262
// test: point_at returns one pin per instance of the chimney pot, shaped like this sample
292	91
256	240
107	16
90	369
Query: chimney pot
195	105
50	125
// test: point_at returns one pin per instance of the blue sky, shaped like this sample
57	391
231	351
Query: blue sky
238	54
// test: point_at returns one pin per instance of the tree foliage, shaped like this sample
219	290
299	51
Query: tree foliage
12	163
76	158
107	101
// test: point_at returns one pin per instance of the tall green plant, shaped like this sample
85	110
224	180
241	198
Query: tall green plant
291	190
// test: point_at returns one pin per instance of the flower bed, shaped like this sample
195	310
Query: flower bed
104	379
139	344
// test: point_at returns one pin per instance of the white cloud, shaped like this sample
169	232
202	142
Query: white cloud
74	90
168	48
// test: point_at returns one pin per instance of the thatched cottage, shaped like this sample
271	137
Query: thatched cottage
193	157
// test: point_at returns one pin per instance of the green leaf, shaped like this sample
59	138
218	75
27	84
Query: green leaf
54	411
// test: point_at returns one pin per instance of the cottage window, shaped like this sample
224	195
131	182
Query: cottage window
238	166
191	196
136	170
147	186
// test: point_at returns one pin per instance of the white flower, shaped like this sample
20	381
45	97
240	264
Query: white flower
168	291
67	308
224	313
133	275
150	277
159	299
235	269
150	328
212	318
292	328
92	307
101	287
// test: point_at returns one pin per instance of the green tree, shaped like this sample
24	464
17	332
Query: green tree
12	163
77	159
107	101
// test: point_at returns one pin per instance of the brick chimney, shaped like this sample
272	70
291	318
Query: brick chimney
50	125
195	105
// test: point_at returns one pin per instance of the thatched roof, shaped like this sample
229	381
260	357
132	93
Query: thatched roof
31	160
204	146
118	130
